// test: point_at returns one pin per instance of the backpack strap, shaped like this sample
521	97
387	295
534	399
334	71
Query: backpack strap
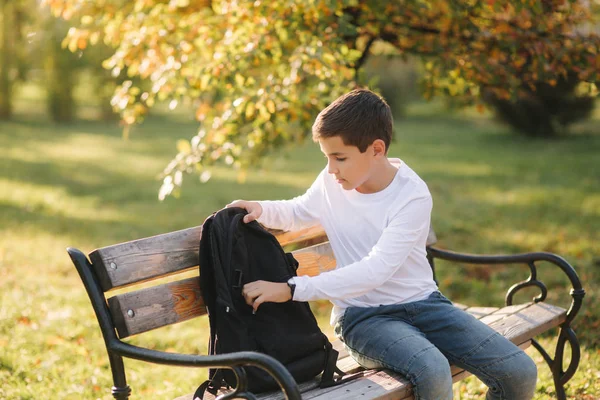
211	386
327	379
330	366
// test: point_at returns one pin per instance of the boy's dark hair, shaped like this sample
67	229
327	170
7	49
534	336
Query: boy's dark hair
358	117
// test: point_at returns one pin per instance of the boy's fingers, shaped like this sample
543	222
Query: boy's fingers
259	300
250	217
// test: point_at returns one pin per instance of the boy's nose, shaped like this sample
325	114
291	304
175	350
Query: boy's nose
331	169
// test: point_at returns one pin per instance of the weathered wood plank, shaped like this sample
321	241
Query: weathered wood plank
374	385
480	312
162	255
503	312
274	395
530	322
158	256
145	259
315	259
314	234
153	307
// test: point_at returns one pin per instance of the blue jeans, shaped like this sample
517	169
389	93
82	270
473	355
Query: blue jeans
419	340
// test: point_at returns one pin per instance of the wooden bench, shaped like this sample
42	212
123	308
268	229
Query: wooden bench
140	310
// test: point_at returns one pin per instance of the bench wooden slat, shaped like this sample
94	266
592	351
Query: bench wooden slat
153	307
480	312
314	234
374	385
530	322
315	259
162	255
145	259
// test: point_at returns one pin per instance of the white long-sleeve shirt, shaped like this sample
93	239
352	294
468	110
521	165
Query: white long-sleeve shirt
378	240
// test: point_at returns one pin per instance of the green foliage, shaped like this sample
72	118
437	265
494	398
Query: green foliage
548	109
257	73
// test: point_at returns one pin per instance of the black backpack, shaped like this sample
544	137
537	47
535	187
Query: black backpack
233	253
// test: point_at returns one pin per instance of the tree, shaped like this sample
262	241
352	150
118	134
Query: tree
257	72
16	18
60	72
546	111
7	45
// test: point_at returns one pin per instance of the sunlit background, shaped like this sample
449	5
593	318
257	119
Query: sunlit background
121	120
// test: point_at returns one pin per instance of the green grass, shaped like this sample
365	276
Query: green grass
81	185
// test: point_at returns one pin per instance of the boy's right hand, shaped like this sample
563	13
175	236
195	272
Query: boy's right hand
253	207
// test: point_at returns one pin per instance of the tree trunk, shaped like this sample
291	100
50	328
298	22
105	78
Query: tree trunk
6	53
60	76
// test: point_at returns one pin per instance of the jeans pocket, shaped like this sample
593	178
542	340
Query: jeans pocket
437	295
338	328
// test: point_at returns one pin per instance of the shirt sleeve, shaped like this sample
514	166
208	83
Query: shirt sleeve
407	229
298	213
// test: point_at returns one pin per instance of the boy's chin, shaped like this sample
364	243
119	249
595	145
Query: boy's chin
346	185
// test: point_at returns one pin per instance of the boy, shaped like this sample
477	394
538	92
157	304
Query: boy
386	306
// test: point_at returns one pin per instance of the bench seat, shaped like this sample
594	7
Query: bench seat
125	283
519	323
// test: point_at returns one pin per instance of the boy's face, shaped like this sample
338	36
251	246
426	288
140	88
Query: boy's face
351	168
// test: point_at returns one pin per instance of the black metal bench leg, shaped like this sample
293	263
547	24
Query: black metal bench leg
120	390
560	376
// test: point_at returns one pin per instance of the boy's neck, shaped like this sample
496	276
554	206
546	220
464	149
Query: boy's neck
381	177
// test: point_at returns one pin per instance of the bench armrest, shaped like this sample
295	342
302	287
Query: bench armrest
234	361
577	292
118	349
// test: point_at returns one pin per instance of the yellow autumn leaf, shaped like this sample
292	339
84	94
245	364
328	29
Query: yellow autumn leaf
250	108
183	146
73	44
239	80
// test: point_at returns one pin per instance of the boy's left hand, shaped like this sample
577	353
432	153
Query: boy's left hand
259	292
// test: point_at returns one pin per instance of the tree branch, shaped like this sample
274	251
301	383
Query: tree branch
364	55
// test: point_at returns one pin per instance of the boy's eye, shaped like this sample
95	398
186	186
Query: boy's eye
340	159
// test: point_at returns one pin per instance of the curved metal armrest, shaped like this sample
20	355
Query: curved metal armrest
577	292
231	360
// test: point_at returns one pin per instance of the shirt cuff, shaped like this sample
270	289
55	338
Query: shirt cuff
264	216
302	291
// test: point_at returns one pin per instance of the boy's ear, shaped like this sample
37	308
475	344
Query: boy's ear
378	147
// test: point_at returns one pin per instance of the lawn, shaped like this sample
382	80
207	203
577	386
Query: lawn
82	185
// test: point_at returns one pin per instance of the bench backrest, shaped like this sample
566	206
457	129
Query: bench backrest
131	263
